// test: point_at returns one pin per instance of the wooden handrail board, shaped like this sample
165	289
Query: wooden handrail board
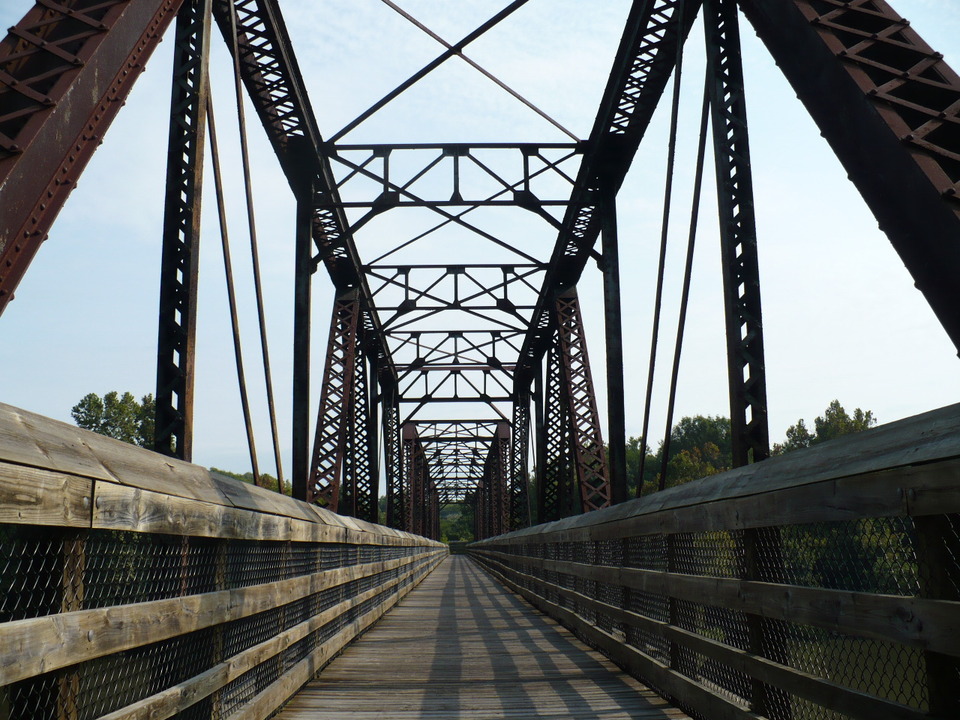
824	692
921	622
169	702
926	438
37	645
40	497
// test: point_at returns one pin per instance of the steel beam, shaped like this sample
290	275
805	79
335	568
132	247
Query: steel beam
746	369
643	64
180	256
519	480
336	400
890	108
590	457
555	485
65	71
393	461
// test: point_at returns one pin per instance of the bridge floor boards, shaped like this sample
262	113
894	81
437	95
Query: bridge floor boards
461	646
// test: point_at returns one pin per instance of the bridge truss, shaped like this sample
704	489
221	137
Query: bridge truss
502	344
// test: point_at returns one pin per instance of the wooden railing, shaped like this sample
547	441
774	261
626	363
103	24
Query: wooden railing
820	584
136	586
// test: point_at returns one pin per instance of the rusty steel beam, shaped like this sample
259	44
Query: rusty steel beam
358	495
496	482
180	257
590	457
272	77
65	70
519	454
889	106
393	461
555	474
643	64
746	368
336	399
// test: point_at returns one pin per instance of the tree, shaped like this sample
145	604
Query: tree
835	422
118	416
267	481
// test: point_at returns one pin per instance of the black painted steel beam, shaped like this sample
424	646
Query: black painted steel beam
746	367
65	71
889	106
643	64
180	256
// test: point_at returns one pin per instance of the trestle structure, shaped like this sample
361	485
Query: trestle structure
491	331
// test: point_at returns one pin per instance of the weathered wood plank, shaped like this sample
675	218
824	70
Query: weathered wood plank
37	645
272	697
473	651
920	622
818	690
169	702
40	497
639	664
907	444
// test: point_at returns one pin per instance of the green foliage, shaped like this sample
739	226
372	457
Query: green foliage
267	481
834	423
700	445
456	523
118	416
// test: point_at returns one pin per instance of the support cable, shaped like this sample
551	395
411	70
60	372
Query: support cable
664	231
480	69
231	292
254	251
688	267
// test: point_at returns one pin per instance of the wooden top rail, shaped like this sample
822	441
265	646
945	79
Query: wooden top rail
52	473
826	577
906	468
229	596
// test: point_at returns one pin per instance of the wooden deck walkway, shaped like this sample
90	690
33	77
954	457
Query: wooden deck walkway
461	646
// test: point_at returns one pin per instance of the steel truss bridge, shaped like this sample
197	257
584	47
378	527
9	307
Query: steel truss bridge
411	345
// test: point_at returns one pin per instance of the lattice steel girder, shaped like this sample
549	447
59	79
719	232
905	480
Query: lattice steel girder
414	348
590	457
890	108
397	170
393	461
496	471
519	454
271	75
417	480
65	71
180	258
336	399
644	61
555	480
738	235
408	294
358	496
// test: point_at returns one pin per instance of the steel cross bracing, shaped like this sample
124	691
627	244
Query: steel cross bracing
466	331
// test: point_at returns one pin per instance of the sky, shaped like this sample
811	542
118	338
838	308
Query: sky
841	316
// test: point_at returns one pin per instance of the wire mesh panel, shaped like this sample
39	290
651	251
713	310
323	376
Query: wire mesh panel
198	599
818	585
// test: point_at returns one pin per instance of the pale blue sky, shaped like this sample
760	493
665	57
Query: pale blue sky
842	318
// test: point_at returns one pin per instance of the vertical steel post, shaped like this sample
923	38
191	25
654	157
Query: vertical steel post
393	461
741	292
519	493
303	275
336	402
555	489
180	256
590	457
613	333
738	235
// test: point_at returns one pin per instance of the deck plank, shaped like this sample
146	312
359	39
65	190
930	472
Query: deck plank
461	646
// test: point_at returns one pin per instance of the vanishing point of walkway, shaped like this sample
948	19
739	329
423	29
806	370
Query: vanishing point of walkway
461	646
